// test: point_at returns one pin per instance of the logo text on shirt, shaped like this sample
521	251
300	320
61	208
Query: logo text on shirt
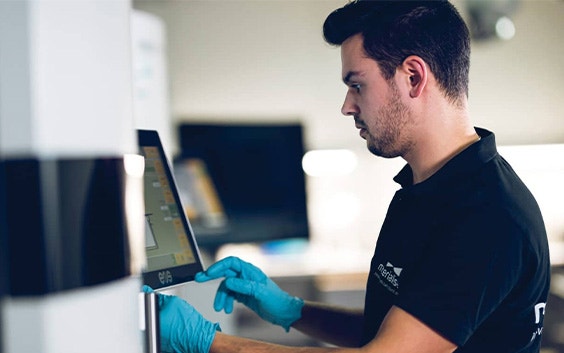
388	275
539	313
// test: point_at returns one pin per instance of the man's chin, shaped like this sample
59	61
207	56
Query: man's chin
379	152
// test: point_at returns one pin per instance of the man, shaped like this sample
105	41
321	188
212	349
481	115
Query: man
461	263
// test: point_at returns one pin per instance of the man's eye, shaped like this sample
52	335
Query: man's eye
356	87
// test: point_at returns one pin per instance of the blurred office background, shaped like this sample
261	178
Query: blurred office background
265	62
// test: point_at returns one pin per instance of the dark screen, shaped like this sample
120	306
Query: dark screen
257	172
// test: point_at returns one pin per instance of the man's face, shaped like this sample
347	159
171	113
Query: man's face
374	103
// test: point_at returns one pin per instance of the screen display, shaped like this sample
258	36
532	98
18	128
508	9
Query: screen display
172	253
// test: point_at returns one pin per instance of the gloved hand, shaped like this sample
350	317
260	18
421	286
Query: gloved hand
183	329
249	285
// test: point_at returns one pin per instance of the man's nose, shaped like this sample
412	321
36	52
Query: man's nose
349	107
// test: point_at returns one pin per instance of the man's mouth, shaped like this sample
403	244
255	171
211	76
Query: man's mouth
361	126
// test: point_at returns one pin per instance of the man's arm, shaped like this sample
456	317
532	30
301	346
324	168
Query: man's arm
223	343
335	325
400	333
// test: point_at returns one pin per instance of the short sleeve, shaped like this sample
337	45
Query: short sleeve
467	270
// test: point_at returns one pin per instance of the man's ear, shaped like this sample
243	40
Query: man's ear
415	69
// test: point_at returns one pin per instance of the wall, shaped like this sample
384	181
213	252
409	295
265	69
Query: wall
267	60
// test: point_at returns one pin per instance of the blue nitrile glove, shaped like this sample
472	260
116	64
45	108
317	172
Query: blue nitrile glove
183	329
249	285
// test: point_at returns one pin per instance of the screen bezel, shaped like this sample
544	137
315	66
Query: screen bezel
167	277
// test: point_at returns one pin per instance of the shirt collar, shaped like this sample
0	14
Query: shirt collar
471	158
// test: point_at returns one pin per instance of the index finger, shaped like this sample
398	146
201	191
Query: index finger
228	267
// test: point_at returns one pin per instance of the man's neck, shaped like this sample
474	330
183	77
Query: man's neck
437	145
424	172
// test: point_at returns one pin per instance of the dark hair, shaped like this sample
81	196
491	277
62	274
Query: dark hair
394	30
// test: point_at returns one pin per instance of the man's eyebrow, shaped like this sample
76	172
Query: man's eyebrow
349	76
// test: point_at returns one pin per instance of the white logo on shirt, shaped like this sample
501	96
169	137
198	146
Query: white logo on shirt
539	310
389	276
397	270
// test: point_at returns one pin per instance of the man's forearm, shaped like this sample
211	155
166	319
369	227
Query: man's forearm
400	332
338	326
224	343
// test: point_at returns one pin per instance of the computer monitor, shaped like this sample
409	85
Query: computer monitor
173	256
256	172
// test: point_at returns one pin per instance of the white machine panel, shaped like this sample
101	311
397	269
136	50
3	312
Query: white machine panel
66	87
89	320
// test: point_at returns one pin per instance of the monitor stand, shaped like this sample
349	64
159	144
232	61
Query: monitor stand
152	324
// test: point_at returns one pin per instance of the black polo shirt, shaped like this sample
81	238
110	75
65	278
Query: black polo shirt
465	252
